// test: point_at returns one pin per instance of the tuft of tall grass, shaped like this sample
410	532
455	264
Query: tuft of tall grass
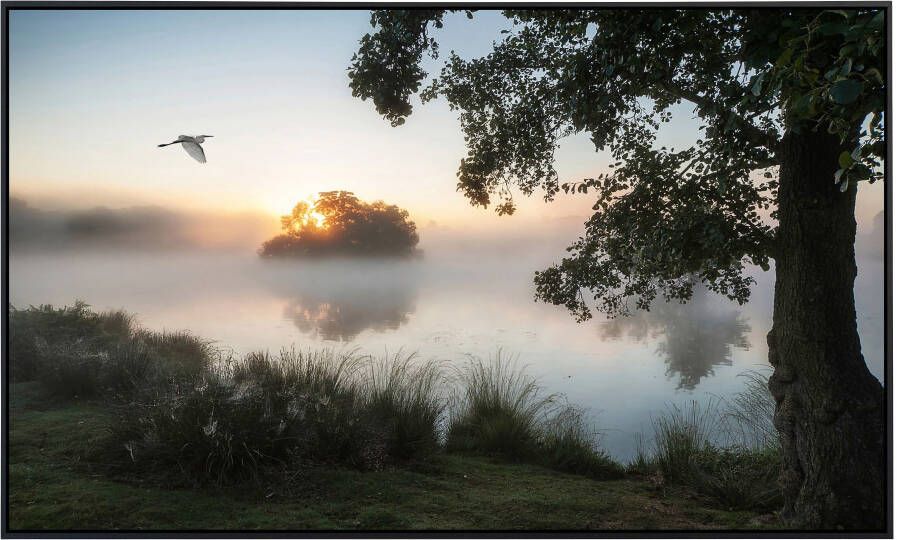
120	371
568	444
739	478
317	389
751	412
694	446
261	412
499	409
642	462
209	433
682	434
402	395
181	355
244	417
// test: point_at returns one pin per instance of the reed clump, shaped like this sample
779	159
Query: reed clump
499	409
726	450
260	413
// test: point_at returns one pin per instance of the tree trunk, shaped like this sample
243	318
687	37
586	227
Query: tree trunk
829	409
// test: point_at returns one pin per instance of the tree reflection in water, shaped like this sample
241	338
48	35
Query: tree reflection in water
696	337
336	300
342	315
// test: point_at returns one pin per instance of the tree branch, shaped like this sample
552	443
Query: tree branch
756	135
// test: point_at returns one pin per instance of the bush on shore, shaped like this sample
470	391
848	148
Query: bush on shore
274	412
74	351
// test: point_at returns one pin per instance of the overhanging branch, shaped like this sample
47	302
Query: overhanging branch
756	135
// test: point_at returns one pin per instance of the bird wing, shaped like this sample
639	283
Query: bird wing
194	150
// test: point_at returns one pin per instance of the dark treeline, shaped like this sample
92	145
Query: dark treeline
149	227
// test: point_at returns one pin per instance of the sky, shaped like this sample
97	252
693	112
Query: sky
93	92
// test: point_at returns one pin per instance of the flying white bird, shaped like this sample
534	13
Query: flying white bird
191	145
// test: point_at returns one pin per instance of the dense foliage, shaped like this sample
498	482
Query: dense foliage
665	219
339	223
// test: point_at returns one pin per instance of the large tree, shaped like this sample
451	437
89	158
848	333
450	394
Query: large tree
790	103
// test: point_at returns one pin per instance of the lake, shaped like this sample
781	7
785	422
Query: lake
460	302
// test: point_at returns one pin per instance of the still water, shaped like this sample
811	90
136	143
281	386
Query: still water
445	307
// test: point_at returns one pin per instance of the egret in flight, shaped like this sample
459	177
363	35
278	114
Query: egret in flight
191	145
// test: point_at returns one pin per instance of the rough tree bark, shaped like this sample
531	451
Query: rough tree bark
829	408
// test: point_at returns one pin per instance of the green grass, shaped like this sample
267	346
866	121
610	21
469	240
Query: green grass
501	410
53	486
750	412
718	452
402	396
498	409
245	418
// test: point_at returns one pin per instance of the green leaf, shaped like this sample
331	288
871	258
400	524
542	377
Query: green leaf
845	91
844	160
832	28
785	57
846	67
872	72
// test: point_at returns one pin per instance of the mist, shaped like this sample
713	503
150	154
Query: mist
133	228
469	291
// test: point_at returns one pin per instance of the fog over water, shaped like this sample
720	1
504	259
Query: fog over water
467	294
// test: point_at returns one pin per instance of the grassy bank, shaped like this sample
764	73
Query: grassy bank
162	431
53	486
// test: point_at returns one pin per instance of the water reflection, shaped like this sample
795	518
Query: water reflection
694	337
337	302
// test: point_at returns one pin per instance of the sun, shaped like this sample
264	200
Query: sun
309	217
319	219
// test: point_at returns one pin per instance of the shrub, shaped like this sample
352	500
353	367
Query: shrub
74	351
37	330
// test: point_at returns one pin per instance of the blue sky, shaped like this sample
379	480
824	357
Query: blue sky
93	92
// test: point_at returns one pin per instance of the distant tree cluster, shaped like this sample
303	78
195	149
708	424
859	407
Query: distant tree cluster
338	223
